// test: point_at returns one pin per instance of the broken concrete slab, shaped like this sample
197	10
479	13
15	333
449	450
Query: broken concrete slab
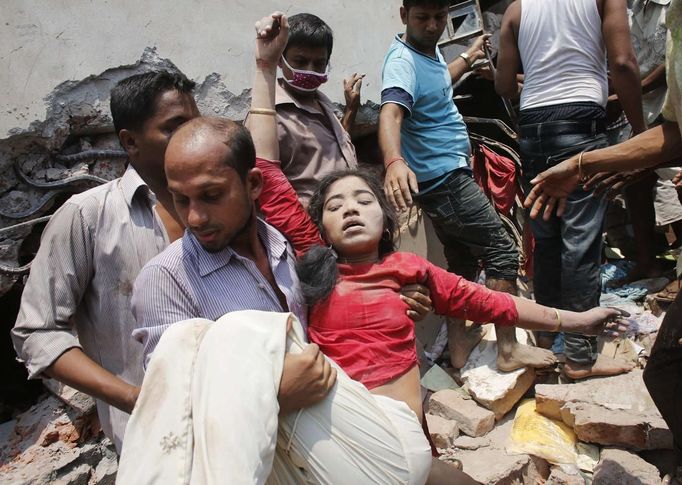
494	389
561	477
493	465
443	431
471	418
616	411
469	443
624	468
55	443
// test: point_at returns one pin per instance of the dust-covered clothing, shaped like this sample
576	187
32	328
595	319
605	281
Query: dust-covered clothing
312	143
208	414
90	254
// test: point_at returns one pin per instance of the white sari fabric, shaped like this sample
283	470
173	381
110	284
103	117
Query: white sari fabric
208	414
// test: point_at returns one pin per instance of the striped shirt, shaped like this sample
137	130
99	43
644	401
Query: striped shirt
186	281
89	256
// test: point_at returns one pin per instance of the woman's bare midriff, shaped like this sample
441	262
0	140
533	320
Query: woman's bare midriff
404	388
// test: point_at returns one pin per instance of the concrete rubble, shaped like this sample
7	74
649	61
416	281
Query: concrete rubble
493	389
489	463
471	418
443	431
57	441
624	468
615	411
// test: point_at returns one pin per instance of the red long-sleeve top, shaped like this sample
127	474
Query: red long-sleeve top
363	325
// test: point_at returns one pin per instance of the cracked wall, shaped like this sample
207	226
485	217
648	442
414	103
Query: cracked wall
59	62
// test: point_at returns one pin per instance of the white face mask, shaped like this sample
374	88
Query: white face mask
307	81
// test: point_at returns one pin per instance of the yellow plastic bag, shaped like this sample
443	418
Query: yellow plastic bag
538	435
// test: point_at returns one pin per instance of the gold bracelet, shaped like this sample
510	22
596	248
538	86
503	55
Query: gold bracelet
581	177
263	111
558	317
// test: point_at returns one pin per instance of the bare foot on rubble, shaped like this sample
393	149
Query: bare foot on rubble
603	366
462	340
524	356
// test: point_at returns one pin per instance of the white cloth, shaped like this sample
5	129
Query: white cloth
562	52
208	413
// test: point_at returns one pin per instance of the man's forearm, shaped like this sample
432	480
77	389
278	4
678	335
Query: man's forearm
648	149
458	68
389	133
348	119
263	126
77	370
626	84
654	80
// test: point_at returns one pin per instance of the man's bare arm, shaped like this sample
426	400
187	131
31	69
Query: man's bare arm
459	66
622	62
77	370
400	181
351	91
653	147
508	57
262	122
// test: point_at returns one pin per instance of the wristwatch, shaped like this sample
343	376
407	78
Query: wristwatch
465	56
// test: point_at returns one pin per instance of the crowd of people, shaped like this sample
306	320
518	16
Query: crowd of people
239	291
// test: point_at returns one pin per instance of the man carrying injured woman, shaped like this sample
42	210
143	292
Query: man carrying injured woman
208	410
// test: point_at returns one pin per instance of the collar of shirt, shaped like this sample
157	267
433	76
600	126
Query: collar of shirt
438	58
283	97
131	183
275	244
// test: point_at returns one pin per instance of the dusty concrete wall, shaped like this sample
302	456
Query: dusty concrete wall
46	43
59	60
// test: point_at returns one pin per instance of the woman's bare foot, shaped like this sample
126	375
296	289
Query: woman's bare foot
603	366
524	356
462	340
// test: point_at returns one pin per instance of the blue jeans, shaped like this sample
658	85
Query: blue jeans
568	250
469	228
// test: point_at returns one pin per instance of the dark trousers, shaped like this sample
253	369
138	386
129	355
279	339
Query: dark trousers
567	253
469	228
663	372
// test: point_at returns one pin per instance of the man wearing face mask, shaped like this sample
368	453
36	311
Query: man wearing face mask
312	140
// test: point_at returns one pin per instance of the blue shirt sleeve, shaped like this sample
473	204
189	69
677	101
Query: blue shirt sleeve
397	96
399	72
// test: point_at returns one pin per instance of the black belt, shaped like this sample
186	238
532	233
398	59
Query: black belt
556	128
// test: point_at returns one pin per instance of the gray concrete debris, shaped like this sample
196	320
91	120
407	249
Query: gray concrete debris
616	411
471	418
443	431
52	443
491	388
620	467
492	465
560	477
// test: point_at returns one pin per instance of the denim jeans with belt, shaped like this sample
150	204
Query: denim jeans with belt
469	228
567	253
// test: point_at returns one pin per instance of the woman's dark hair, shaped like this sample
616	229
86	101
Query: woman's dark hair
316	269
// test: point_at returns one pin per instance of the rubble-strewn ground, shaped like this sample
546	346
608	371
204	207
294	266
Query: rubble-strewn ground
620	437
57	441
